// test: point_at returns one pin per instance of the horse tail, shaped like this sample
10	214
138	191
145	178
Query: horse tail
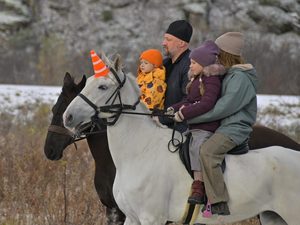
262	137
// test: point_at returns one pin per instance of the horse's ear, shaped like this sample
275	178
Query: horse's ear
118	62
67	79
104	58
81	84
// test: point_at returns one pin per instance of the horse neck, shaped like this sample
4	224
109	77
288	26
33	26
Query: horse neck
105	169
129	128
98	145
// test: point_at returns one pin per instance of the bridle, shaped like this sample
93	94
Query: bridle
90	130
60	130
117	109
86	130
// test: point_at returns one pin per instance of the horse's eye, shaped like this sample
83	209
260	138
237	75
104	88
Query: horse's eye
103	87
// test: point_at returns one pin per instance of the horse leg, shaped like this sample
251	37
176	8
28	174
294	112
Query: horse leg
114	216
271	218
129	221
152	222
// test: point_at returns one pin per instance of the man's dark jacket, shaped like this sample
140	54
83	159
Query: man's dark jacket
176	79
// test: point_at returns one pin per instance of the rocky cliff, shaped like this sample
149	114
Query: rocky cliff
42	39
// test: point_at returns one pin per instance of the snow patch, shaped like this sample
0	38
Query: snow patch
277	110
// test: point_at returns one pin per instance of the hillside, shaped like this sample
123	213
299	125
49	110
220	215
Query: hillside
42	39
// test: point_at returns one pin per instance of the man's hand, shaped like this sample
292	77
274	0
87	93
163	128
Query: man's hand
170	111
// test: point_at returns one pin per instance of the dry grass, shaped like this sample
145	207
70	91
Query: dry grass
36	191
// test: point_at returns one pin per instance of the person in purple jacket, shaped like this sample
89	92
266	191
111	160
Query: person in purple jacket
203	91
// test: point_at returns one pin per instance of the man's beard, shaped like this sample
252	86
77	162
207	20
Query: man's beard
166	53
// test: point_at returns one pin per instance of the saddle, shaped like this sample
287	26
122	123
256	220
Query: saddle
185	157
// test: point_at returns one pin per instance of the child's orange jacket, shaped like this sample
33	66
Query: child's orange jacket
153	87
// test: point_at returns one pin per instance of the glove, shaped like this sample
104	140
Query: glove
156	120
170	111
178	117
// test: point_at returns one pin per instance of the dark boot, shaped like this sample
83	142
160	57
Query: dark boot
198	193
220	208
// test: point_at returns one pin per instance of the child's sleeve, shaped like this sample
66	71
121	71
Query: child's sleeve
159	89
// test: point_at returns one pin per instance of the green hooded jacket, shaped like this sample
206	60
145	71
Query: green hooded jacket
237	107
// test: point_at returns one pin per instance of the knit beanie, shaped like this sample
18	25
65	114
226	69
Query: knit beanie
153	56
181	29
206	54
231	42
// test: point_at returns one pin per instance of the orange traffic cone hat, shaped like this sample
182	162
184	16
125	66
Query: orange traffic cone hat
100	69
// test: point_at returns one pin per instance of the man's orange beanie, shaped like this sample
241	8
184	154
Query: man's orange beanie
153	56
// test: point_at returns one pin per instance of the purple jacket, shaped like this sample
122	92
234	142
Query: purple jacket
195	104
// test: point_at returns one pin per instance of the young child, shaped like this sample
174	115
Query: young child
151	79
203	91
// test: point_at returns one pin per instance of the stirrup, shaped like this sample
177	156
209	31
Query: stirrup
195	201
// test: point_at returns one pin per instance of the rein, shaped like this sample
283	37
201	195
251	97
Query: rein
173	140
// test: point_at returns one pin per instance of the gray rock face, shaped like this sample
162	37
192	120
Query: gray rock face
54	36
13	14
275	20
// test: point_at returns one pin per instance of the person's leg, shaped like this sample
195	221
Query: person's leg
198	191
211	156
198	175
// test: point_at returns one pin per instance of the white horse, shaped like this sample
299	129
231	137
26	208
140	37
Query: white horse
152	185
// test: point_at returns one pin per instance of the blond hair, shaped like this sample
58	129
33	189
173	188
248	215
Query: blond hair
228	60
201	86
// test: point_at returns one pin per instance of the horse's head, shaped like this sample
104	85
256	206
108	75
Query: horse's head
58	137
100	97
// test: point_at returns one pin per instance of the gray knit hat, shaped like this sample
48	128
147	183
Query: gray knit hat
231	42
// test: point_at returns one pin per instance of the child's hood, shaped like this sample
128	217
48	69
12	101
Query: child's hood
214	70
